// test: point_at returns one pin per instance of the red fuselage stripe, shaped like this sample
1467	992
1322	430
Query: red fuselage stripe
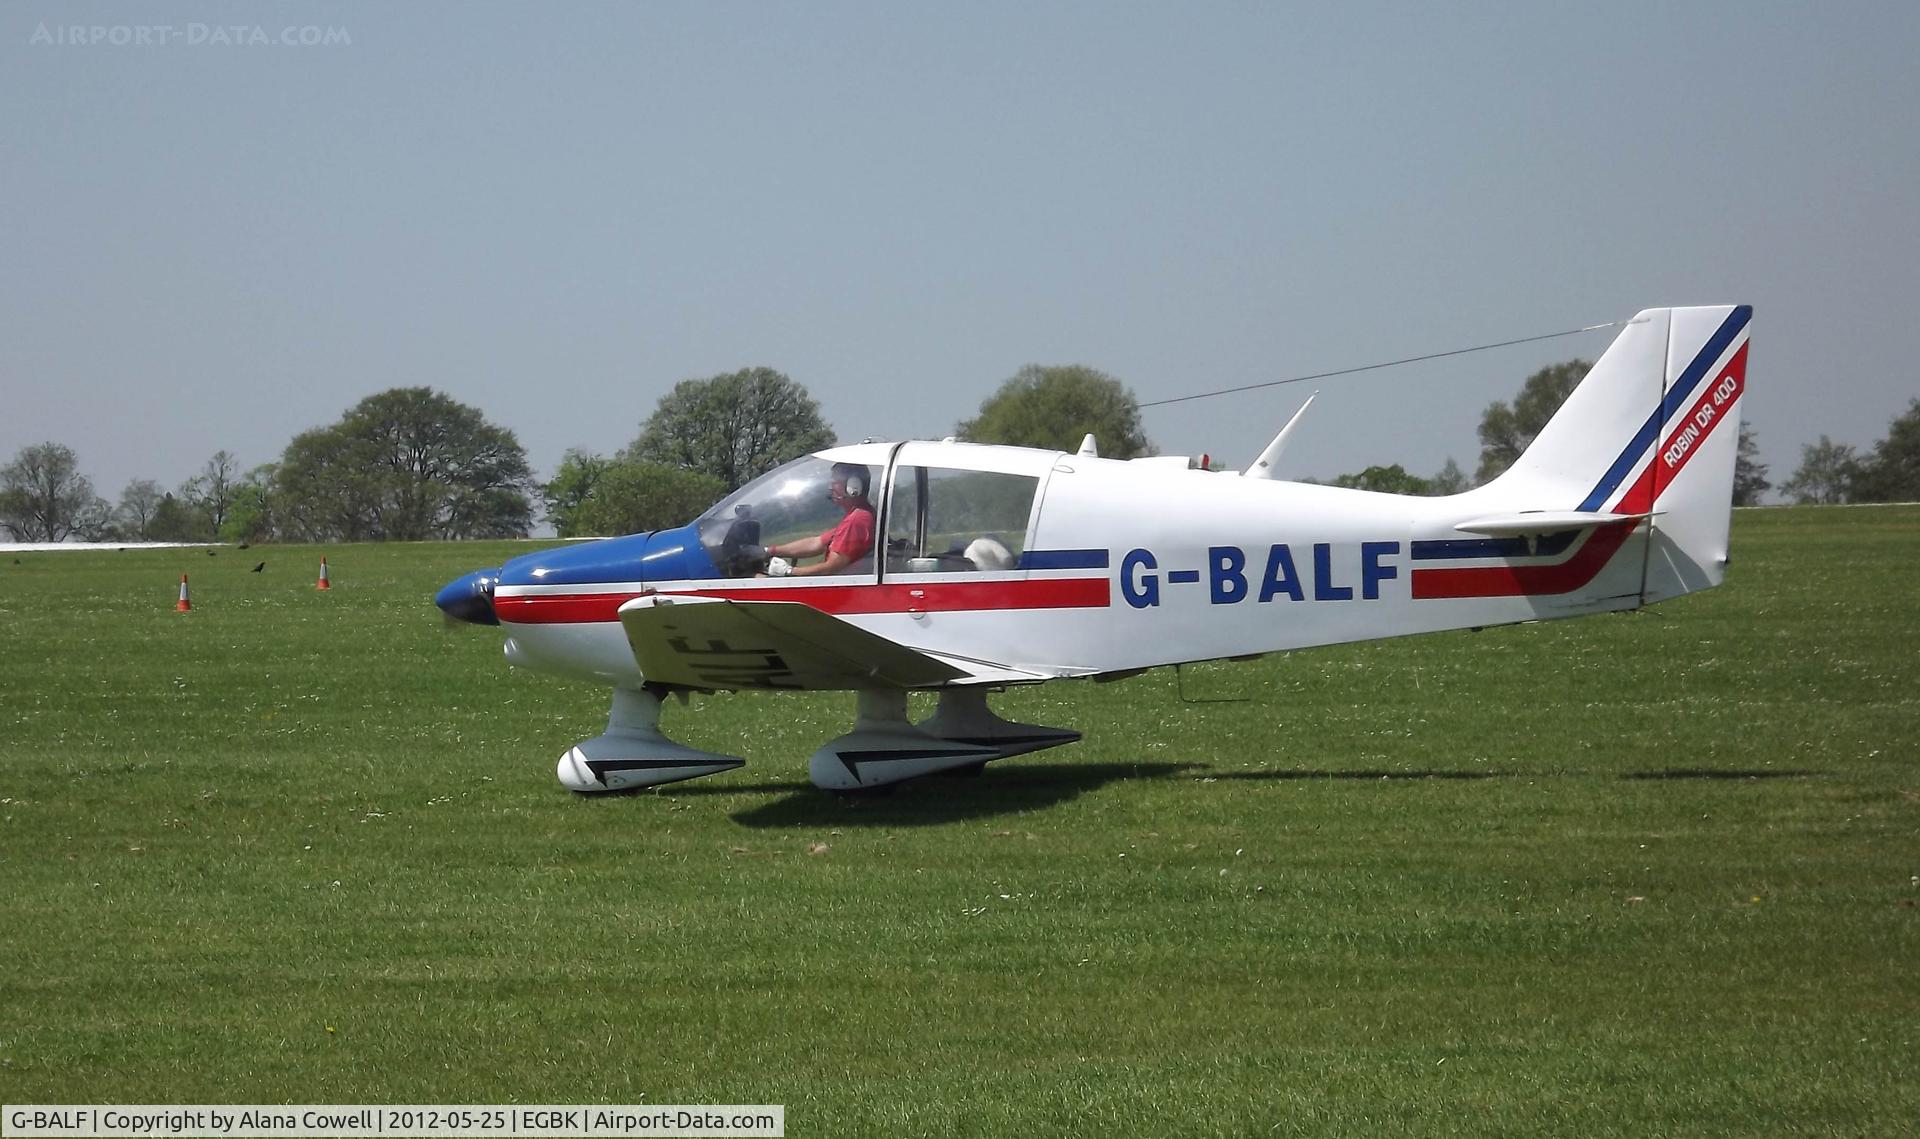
951	597
1523	581
561	608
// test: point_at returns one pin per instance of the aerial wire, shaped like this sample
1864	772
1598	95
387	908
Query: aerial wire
1385	364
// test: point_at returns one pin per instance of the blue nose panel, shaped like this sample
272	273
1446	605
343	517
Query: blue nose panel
669	555
582	563
677	555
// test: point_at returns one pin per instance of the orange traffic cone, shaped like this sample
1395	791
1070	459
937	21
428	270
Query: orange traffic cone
185	605
323	583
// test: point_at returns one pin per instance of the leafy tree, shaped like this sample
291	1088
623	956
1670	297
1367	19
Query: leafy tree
1506	431
1749	473
572	485
175	521
630	497
325	492
45	498
251	517
137	504
1450	480
1387	480
408	464
1058	406
735	427
1827	473
1892	473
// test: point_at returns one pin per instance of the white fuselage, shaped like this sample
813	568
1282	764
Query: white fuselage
1138	565
1621	501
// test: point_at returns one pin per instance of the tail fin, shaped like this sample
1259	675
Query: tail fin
1654	428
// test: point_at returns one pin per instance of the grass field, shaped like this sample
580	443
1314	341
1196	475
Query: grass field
1653	874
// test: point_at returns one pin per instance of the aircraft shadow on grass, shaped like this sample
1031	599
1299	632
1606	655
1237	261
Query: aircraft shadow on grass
936	800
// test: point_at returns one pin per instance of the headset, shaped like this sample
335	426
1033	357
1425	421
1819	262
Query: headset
853	476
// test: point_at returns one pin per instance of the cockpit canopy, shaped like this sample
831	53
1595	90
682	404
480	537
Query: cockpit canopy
938	518
788	502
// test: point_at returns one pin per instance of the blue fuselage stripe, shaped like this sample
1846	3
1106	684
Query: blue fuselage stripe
1063	559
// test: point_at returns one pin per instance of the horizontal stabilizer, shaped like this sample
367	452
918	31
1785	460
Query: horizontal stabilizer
716	643
1542	522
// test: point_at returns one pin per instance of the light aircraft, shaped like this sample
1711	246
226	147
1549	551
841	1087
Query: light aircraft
992	566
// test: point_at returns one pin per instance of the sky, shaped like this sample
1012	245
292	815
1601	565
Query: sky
555	213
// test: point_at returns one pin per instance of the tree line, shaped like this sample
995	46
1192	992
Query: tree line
1834	473
413	464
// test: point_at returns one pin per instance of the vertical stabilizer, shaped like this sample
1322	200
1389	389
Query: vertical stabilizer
1654	429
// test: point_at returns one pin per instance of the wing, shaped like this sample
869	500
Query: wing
713	642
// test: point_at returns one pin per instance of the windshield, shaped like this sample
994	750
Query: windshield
786	503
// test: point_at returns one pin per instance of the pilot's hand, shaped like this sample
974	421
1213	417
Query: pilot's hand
779	567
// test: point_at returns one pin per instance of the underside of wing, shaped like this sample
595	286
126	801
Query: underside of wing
717	643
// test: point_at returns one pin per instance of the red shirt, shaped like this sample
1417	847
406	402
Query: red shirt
854	536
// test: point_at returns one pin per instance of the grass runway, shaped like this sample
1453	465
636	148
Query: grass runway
1653	874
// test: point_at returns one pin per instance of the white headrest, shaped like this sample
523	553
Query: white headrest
990	554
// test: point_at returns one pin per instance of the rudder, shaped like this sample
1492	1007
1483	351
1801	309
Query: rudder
1692	467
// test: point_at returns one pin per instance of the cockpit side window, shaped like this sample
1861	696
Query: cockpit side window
941	520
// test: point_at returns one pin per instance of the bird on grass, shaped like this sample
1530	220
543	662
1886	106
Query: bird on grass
258	568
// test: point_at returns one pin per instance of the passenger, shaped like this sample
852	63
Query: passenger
845	544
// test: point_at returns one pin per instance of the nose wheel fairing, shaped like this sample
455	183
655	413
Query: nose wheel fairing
632	753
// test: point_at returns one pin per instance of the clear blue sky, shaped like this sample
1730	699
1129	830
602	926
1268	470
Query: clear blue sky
554	214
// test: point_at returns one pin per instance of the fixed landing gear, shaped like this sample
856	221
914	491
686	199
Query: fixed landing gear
961	737
632	753
963	717
884	748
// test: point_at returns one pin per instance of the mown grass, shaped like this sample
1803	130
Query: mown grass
1643	875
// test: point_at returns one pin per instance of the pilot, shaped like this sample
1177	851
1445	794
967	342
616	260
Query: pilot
846	543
